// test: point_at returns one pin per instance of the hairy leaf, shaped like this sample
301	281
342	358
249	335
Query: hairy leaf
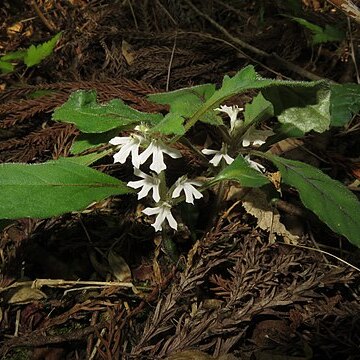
259	109
332	202
183	104
306	108
35	54
239	170
82	110
52	188
345	102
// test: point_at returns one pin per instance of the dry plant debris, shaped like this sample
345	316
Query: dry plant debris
231	294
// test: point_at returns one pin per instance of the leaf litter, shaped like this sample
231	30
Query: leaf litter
232	293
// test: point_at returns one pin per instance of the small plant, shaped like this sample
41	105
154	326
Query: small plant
239	154
31	56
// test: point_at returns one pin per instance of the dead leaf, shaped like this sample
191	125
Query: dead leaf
119	268
127	52
255	203
23	295
197	355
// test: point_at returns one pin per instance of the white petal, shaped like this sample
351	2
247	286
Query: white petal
139	173
156	194
228	159
209	151
151	211
147	153
171	220
176	192
195	192
117	140
158	164
258	142
175	154
160	219
245	143
216	159
136	184
123	154
144	191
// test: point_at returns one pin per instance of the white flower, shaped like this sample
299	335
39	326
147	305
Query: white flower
156	149
183	184
128	144
255	137
149	183
218	155
255	165
163	212
232	111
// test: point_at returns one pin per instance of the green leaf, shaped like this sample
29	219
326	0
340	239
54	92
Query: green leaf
306	108
240	171
89	141
14	55
244	80
183	104
52	188
332	202
170	124
82	110
321	35
6	67
88	159
259	109
35	54
345	102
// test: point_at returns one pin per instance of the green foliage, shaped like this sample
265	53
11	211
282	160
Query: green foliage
306	108
259	109
332	202
31	56
35	54
345	102
83	110
183	104
88	141
65	185
240	171
321	35
52	188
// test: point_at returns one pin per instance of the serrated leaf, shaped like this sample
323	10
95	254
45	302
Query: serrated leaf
88	159
331	201
245	80
6	67
345	102
14	55
184	103
52	188
239	170
82	110
258	109
35	54
306	108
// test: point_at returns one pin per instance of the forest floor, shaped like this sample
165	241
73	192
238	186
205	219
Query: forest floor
231	293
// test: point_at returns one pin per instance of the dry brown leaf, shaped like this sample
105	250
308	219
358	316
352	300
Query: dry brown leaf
23	295
255	203
127	52
119	268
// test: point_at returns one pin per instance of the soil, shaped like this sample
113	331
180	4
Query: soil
230	292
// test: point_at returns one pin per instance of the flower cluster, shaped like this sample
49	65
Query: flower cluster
154	183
